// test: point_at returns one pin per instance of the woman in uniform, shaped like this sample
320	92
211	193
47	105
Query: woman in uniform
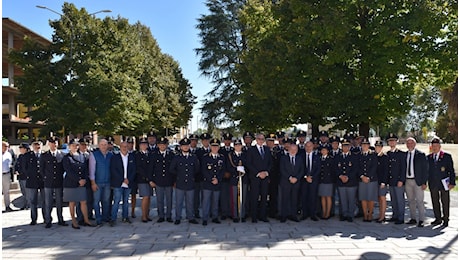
368	184
76	173
382	178
326	183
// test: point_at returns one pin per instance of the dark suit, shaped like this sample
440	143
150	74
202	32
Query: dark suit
441	169
197	196
52	173
290	191
256	164
34	184
309	191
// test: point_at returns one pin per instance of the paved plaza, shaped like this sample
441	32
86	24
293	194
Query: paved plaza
325	239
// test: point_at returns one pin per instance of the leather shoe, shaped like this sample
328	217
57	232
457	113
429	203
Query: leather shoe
243	220
411	221
149	219
193	221
169	220
177	222
223	218
295	219
264	219
436	222
283	220
89	224
205	223
314	218
126	220
399	222
350	219
48	225
33	223
62	223
420	224
75	227
159	220
216	220
236	220
8	209
303	218
111	223
254	220
445	224
392	220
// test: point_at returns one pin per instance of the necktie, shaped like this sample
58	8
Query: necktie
435	157
292	161
409	172
308	163
37	155
262	152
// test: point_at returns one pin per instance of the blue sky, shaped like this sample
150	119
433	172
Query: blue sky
172	23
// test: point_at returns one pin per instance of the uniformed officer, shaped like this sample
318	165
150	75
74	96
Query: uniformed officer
382	179
152	139
213	167
76	175
396	178
201	152
301	138
131	140
280	136
292	170
316	147
52	173
235	166
34	183
324	139
327	178
309	183
163	180
111	147
441	180
273	186
368	180
184	166
22	177
356	143
248	137
144	177
335	149
347	173
84	151
225	183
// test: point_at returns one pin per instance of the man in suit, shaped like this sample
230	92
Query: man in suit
122	177
291	173
34	183
396	178
416	180
259	164
52	173
309	183
441	180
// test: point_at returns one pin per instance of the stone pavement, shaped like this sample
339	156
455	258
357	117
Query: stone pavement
329	239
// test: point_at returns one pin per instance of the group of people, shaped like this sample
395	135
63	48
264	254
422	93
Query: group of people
257	176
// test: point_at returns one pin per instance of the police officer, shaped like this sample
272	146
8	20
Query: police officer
213	167
52	173
22	177
144	177
368	180
235	166
301	138
335	142
152	139
441	180
84	151
396	178
184	166
34	183
327	178
324	139
130	140
347	173
163	180
225	183
382	179
248	137
201	152
273	186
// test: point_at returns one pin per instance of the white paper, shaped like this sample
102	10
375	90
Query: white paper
445	182
240	169
124	185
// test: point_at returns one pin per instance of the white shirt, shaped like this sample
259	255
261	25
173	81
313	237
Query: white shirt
7	160
124	158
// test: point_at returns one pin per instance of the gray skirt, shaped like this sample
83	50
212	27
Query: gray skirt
74	194
145	190
383	191
368	191
325	189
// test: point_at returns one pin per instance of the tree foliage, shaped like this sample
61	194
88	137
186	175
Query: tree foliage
106	75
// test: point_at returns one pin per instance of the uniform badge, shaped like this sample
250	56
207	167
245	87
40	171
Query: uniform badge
443	169
349	164
340	165
209	167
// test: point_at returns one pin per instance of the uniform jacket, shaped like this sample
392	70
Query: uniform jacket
144	167
368	166
184	168
420	163
162	175
396	167
18	167
232	162
76	169
31	167
287	170
442	168
256	163
347	166
117	171
327	170
213	168
382	168
315	167
51	169
201	152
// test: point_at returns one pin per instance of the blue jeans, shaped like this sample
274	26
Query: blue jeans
49	203
397	202
120	194
162	194
102	196
188	196
210	203
35	197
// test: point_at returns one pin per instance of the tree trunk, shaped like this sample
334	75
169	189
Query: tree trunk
364	129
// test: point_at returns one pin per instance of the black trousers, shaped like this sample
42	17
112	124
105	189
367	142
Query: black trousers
309	198
442	194
259	187
289	195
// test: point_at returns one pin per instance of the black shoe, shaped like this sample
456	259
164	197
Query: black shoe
392	220
314	218
159	220
295	219
81	222
48	225
254	220
205	223
436	222
169	220
342	218
62	223
33	223
282	219
236	220
243	220
145	221
177	222
91	218
111	223
75	227
223	218
22	208
216	220
399	222
133	215
411	221
303	218
264	219
420	224
193	221
379	220
149	219
350	219
126	220
445	224
8	209
89	224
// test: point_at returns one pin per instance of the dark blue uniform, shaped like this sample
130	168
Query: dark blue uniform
368	164
397	173
233	161
52	173
164	181
34	184
347	165
212	168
